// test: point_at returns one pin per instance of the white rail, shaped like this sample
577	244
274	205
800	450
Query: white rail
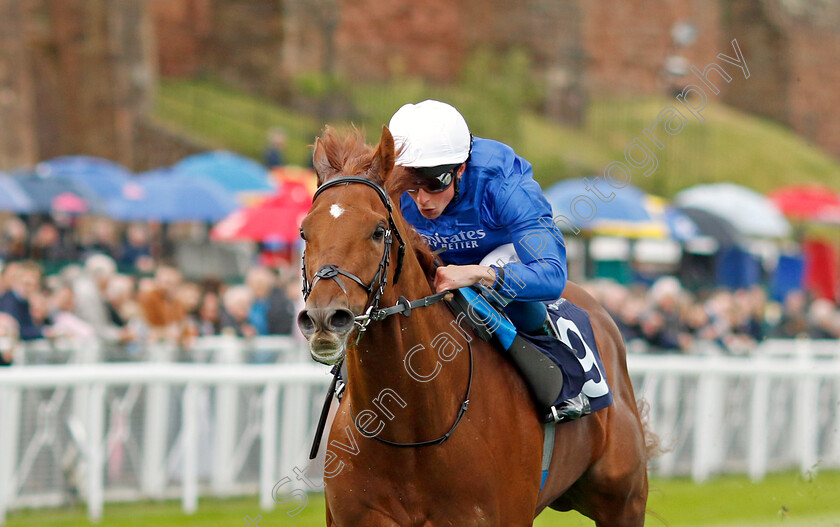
750	414
160	429
175	374
95	379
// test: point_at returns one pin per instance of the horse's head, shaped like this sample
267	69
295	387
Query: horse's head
348	234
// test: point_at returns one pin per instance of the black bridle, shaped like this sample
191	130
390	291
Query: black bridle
373	311
332	272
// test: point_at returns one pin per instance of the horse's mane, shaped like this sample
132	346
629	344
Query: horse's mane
348	153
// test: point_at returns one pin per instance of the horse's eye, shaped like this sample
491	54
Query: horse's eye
379	234
302	236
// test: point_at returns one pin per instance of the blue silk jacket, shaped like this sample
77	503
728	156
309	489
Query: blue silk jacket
499	203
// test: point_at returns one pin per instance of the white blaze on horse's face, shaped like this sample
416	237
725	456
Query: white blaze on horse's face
336	210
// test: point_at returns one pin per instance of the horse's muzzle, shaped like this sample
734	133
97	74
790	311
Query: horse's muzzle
326	330
326	320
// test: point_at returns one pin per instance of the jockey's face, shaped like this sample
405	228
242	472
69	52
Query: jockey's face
432	204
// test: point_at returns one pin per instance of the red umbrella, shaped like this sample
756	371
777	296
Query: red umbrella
808	202
276	219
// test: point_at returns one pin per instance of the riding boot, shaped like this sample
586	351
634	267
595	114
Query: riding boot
570	409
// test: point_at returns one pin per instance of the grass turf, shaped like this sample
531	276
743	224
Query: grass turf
728	146
789	500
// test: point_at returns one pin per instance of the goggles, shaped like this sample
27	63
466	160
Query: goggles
437	179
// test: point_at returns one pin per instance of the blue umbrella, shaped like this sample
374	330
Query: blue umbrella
105	178
625	212
166	196
234	172
572	199
43	192
12	197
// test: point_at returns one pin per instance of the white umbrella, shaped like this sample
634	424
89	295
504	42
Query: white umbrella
748	211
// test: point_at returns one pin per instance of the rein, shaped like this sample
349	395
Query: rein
461	411
374	312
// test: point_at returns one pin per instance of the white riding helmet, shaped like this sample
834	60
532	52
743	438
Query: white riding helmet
430	134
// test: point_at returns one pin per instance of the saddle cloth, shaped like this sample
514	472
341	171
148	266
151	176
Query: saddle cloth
579	360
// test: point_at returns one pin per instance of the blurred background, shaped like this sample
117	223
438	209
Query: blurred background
155	163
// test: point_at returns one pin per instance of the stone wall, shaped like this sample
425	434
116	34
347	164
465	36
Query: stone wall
18	139
813	82
793	49
75	77
376	39
180	28
627	43
239	41
244	44
552	33
814	86
579	48
766	48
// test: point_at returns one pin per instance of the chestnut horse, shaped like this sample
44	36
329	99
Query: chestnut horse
406	385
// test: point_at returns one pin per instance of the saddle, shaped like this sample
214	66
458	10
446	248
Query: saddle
563	369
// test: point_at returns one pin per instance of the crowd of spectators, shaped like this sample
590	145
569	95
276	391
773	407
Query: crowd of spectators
55	242
108	284
94	301
670	318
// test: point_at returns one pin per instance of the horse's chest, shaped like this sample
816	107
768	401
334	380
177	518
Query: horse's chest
439	514
400	496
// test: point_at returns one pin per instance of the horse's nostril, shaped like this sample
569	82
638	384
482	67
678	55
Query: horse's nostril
342	320
305	323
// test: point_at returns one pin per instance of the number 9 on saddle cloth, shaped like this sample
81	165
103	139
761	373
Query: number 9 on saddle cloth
559	360
563	371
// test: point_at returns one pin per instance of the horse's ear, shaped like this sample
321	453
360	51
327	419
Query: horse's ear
321	161
383	159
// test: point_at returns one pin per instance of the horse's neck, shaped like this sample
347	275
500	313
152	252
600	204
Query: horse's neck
391	372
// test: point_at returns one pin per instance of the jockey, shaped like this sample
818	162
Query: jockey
476	201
